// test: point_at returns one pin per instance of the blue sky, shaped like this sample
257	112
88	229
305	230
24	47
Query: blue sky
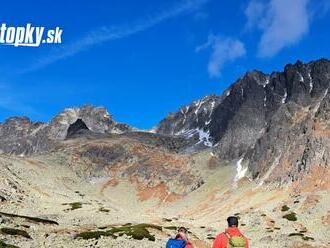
143	59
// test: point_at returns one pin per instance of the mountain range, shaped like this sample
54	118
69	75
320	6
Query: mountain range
265	130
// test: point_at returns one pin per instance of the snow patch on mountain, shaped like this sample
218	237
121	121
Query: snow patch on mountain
240	170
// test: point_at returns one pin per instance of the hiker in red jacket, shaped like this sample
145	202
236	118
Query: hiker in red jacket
232	237
183	235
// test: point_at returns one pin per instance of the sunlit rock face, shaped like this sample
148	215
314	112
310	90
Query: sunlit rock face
267	119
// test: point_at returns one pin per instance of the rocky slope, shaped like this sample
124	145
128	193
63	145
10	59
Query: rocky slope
20	135
268	120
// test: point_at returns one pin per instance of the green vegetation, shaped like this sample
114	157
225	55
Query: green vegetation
73	205
291	216
296	234
285	208
32	219
15	232
306	238
102	209
167	220
138	232
4	245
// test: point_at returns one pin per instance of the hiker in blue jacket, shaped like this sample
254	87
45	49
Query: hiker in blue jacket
180	240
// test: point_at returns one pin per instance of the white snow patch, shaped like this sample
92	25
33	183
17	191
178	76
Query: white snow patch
284	97
198	104
265	100
311	84
204	137
301	79
228	93
266	82
240	170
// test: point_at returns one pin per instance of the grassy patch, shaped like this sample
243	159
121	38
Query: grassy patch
14	232
102	209
73	205
285	208
296	234
306	238
167	220
291	216
32	219
138	232
4	245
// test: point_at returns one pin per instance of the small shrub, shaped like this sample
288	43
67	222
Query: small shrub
15	232
167	220
285	208
32	219
102	209
296	234
290	217
73	205
138	232
4	245
306	238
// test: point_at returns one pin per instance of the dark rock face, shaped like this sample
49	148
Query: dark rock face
19	135
97	120
76	128
273	121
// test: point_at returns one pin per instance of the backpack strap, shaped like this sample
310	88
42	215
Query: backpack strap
227	234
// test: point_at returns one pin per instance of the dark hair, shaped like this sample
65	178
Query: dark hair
232	221
183	229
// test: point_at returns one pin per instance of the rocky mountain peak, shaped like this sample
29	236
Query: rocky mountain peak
256	117
97	119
